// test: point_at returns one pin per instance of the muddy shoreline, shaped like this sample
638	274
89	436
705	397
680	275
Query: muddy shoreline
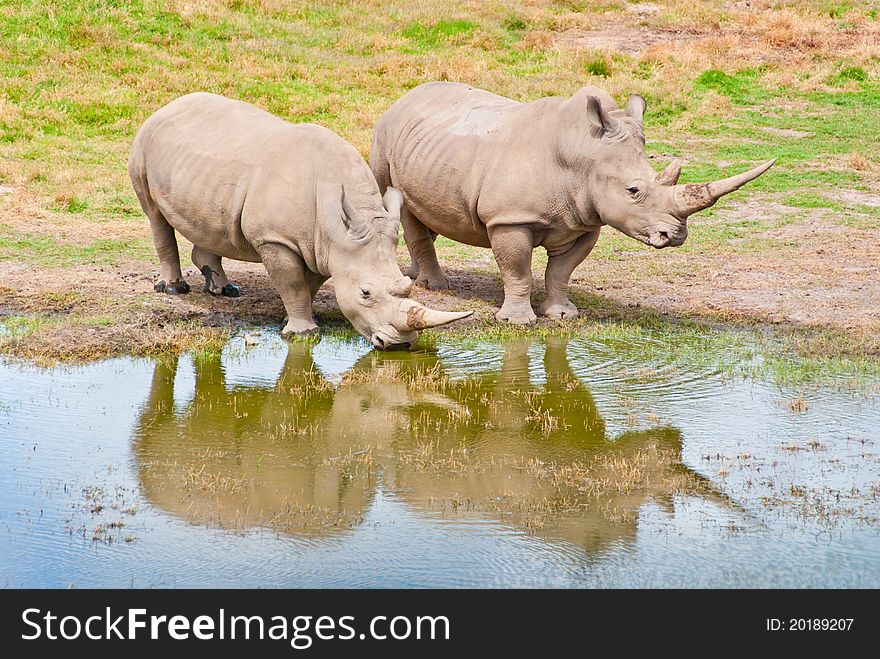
90	312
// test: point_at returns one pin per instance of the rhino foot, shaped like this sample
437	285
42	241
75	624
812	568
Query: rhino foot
517	315
299	329
230	290
433	282
558	310
178	287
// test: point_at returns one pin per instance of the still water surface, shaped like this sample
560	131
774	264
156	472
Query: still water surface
557	463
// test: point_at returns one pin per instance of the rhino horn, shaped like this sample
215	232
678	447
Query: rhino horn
414	316
669	176
693	197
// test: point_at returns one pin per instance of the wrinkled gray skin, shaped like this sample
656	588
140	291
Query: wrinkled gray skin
240	183
488	171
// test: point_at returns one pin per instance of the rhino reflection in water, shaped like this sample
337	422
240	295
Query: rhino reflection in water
304	457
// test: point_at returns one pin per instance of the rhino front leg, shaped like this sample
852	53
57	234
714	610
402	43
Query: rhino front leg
559	268
211	267
287	270
512	246
425	269
315	281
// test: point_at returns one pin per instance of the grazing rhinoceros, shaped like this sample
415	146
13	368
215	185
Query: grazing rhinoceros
243	184
488	171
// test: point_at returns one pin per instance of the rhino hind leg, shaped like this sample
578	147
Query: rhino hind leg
556	304
211	267
425	269
512	246
171	279
294	284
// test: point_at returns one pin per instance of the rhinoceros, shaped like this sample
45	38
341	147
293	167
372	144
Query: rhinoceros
488	171
240	183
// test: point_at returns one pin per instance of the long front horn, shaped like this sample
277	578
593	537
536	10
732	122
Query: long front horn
693	197
414	316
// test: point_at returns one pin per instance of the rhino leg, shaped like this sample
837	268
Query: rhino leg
161	400
426	270
559	268
287	270
512	246
211	267
171	279
314	281
411	270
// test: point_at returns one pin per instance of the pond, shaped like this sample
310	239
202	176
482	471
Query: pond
557	462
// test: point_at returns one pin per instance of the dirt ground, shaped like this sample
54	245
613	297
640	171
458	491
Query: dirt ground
819	277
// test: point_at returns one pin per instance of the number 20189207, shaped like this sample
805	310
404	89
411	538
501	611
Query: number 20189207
810	624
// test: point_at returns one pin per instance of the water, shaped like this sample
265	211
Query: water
564	463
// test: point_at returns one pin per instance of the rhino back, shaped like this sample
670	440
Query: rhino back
228	175
452	150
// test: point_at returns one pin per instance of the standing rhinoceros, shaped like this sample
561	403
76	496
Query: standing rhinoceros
488	171
243	184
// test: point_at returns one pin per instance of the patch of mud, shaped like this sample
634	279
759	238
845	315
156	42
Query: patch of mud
787	132
809	228
623	39
855	197
754	208
644	9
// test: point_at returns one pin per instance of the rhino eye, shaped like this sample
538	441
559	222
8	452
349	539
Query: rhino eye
633	191
365	294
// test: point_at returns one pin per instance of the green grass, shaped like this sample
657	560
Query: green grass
427	37
598	67
81	76
16	326
742	88
45	251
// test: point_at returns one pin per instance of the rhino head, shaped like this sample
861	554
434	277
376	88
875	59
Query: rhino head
362	259
627	193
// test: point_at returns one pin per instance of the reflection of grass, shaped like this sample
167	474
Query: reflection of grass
601	485
787	357
784	356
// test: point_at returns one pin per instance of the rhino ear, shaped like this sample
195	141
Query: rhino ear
355	222
635	107
393	200
600	119
333	206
